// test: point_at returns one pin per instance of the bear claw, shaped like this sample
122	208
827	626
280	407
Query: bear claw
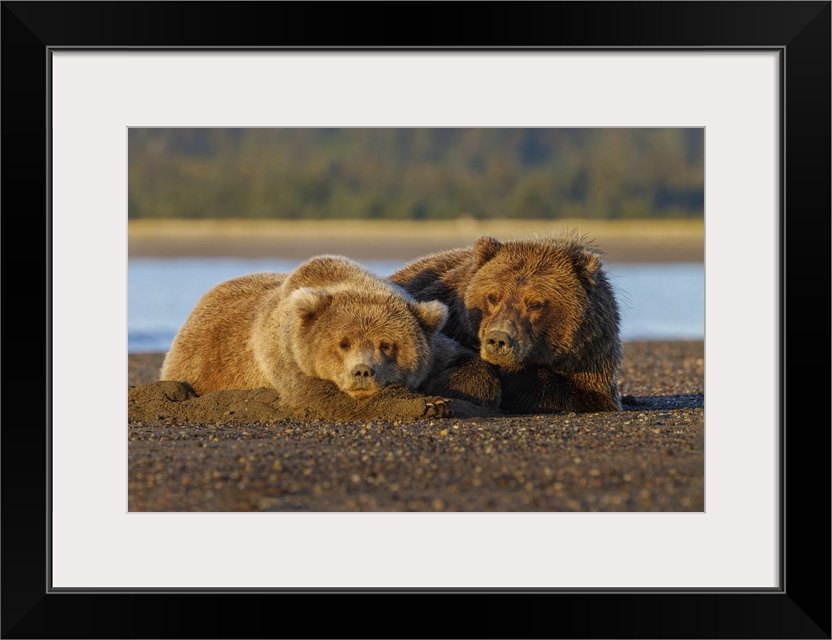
436	408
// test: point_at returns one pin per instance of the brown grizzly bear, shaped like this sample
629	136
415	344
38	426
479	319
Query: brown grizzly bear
329	336
541	310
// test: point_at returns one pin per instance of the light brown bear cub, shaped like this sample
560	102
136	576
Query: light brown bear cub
331	337
542	311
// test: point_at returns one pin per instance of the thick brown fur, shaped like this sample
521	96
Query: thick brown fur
329	337
542	310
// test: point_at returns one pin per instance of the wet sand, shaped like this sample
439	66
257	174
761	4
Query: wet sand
649	457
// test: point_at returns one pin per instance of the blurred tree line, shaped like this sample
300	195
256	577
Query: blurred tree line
414	173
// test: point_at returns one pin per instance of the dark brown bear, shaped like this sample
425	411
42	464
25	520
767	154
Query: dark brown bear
540	310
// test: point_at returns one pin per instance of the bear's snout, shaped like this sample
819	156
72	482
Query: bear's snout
503	348
362	381
499	343
362	374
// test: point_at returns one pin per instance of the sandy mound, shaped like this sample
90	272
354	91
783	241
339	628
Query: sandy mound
178	402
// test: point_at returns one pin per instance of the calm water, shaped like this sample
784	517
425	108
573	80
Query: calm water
658	302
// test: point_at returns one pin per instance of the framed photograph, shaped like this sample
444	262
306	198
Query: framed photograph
755	76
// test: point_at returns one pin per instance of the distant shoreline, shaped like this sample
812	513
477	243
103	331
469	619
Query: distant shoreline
620	241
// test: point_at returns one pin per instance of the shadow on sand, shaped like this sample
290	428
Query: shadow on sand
683	401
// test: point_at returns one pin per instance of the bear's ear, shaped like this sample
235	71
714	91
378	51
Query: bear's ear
430	315
486	248
310	303
587	264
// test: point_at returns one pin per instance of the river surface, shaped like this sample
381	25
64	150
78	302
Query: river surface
657	301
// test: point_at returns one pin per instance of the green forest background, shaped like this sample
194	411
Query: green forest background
416	174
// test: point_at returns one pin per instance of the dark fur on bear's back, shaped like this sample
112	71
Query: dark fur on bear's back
541	310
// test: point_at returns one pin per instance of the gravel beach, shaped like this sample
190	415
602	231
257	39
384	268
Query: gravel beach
648	457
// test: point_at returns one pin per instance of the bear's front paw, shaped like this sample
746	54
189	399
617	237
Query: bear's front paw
436	407
474	381
396	402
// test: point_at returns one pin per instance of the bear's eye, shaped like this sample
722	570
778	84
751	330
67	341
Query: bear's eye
535	305
385	346
345	344
492	299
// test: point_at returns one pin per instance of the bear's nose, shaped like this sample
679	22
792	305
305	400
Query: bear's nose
363	372
499	343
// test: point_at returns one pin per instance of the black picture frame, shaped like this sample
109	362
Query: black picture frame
799	608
